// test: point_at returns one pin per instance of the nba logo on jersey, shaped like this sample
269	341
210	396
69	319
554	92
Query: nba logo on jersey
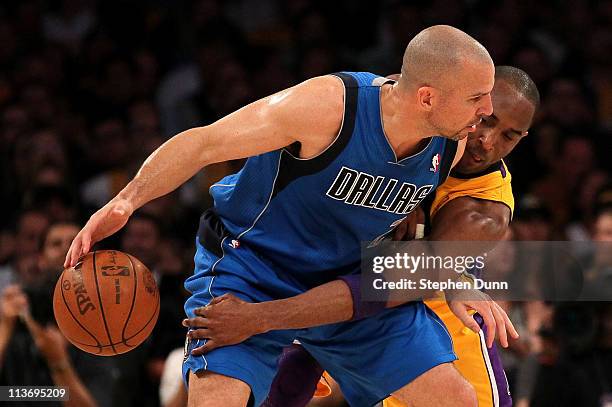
435	163
235	244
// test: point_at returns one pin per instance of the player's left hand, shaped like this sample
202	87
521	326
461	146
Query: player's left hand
227	320
495	318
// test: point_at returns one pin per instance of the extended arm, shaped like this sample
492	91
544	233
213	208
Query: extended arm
309	113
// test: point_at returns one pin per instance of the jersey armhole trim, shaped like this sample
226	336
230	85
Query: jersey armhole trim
450	150
292	168
344	90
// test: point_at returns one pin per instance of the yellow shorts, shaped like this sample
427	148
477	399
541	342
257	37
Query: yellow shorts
473	360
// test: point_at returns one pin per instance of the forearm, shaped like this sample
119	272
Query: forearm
336	301
173	163
64	375
326	304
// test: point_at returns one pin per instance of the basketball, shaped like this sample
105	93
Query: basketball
107	304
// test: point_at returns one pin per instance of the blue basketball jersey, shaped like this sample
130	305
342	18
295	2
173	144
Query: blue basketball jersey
307	217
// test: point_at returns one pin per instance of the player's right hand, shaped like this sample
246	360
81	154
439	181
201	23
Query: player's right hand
495	318
106	221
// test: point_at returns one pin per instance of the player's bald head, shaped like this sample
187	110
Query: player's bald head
437	53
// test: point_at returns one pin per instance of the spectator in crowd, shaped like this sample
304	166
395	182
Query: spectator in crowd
32	349
598	273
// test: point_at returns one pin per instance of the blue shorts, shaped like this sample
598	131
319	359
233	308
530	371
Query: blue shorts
369	358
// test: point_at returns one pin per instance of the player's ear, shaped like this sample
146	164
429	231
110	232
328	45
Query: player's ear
425	97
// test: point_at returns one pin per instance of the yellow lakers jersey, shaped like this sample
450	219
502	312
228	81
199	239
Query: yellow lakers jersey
492	184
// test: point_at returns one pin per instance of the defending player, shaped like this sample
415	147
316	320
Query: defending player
475	203
270	235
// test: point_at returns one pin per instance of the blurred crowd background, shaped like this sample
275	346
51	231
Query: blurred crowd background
89	88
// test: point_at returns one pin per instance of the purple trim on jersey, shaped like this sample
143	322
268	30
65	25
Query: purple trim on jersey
296	379
502	169
361	309
505	399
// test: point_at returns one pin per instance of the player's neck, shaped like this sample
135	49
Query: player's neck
403	126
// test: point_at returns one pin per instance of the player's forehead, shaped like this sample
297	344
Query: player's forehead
482	68
510	108
472	78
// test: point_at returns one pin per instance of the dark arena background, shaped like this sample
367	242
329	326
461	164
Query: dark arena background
88	89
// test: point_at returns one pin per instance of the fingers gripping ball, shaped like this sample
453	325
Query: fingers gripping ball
107	304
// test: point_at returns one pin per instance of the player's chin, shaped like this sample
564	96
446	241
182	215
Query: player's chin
455	134
460	135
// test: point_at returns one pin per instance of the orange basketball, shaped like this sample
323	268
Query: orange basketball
107	304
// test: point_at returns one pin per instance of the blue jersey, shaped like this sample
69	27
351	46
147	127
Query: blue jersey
308	217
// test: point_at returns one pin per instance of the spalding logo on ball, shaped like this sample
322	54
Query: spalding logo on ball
107	304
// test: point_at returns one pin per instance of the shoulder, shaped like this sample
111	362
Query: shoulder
493	184
323	94
311	111
328	88
317	100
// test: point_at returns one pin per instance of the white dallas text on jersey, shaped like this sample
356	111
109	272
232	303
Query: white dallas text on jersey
361	189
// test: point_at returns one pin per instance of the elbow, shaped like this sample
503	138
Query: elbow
493	228
202	136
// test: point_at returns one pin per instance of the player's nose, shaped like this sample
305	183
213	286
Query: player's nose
486	139
486	109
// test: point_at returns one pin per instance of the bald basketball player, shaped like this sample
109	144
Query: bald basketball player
287	222
475	203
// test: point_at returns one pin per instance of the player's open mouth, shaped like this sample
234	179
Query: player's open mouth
472	127
476	158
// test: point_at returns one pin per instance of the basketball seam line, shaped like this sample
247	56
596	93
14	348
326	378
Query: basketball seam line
110	340
127	320
131	337
98	344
